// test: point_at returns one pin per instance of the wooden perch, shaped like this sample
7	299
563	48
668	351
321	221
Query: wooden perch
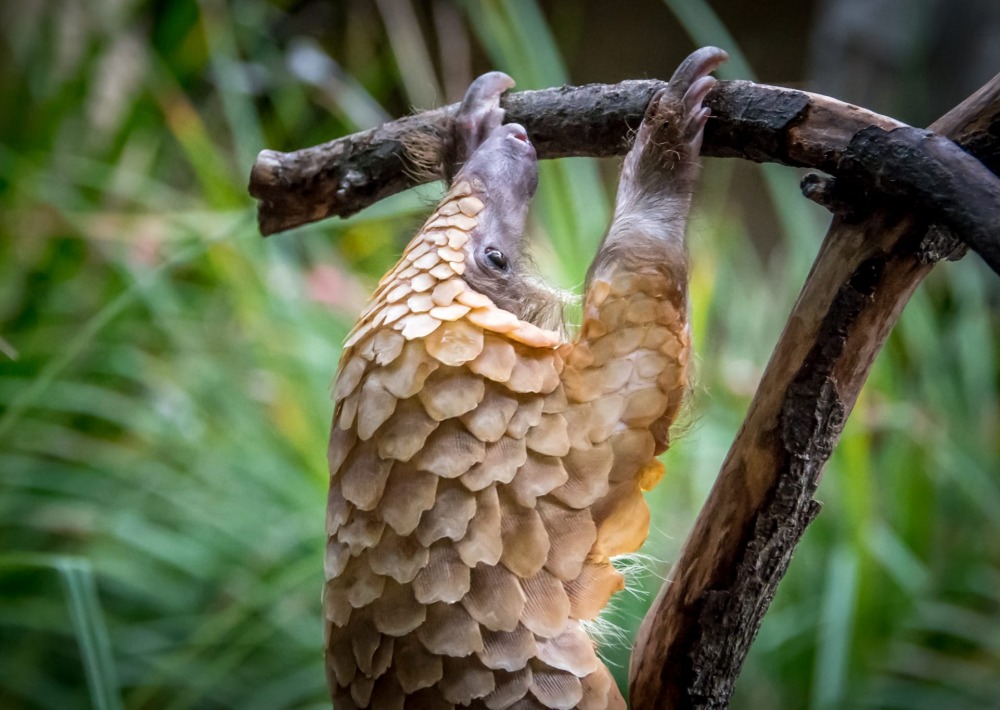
891	183
751	121
695	637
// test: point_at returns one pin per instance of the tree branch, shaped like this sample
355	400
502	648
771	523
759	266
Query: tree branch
752	121
694	639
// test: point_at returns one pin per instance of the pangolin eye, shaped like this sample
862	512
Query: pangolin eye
497	258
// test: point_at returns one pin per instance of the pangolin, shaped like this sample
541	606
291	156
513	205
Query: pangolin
486	469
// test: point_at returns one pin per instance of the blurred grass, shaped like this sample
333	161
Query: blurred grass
164	372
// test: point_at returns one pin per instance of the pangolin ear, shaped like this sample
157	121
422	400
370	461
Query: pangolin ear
477	117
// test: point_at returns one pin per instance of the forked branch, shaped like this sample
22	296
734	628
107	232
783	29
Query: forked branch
890	186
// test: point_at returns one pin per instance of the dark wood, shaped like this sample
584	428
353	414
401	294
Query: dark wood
752	121
695	637
932	175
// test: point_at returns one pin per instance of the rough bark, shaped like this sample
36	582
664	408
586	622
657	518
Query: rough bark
752	121
695	637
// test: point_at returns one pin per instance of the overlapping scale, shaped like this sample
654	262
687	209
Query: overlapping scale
495	599
591	590
375	405
483	541
450	451
408	493
450	631
362	530
398	556
496	360
587	470
528	415
364	476
547	605
406	375
465	679
509	687
456	342
361	689
600	692
501	463
572	651
554	689
525	540
449	517
488	422
445	578
416	667
572	533
550	436
405	434
383	656
538	476
396	612
451	392
508	650
365	640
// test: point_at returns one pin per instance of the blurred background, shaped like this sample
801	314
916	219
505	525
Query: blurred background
165	372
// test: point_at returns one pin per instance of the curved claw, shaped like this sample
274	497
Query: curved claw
697	92
697	64
671	133
485	92
480	113
698	114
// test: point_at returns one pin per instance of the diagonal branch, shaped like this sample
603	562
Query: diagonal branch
695	637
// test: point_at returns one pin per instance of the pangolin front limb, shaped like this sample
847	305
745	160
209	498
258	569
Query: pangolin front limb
484	470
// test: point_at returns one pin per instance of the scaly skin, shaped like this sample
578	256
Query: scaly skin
483	470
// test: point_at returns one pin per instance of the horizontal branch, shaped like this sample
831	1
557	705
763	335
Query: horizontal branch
752	121
694	639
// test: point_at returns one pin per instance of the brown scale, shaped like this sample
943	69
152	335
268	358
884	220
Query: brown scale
485	471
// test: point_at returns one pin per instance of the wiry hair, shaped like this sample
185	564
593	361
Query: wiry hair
427	153
543	304
635	567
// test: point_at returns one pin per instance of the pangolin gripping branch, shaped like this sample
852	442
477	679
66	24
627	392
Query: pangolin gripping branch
485	470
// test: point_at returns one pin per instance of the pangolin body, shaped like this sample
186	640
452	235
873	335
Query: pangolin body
484	471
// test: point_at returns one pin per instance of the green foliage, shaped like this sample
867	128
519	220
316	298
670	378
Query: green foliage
164	374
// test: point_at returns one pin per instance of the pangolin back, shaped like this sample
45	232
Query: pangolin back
483	473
